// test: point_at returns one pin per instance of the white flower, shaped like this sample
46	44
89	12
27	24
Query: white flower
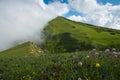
96	53
94	50
79	78
87	56
107	50
113	49
80	64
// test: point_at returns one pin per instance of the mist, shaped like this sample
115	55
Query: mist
24	20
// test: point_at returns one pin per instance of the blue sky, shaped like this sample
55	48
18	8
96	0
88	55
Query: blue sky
73	12
114	2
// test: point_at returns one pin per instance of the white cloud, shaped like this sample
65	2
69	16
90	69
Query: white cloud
84	6
75	18
98	14
23	20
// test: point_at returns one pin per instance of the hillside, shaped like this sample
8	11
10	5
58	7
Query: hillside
27	61
68	36
22	50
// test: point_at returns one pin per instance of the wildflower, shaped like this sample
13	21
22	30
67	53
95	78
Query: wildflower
79	78
52	73
73	69
87	56
96	53
80	64
103	75
1	71
94	50
97	65
114	53
107	50
1	60
89	66
113	49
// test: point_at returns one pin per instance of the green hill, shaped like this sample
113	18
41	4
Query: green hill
68	36
22	50
26	62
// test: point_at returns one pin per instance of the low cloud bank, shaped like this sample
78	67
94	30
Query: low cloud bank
24	20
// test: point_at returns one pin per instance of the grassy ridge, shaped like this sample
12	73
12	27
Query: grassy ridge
22	50
84	36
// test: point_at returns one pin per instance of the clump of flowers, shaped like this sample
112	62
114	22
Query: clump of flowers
97	65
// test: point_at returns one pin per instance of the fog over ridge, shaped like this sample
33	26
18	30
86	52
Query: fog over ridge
24	20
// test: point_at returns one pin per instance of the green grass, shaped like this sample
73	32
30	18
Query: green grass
60	67
85	35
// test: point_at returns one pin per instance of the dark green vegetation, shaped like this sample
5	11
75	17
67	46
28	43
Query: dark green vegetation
24	64
66	36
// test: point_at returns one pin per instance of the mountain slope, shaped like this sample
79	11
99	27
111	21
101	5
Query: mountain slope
69	35
22	50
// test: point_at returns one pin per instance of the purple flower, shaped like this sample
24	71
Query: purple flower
73	69
79	78
1	71
1	60
52	73
103	75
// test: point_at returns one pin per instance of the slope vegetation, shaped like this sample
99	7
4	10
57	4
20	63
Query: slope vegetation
67	36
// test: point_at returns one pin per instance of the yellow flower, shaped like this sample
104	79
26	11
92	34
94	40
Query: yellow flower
97	65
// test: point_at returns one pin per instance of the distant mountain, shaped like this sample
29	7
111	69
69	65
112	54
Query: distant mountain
63	35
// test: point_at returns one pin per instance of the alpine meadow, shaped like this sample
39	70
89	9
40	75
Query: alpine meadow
69	51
